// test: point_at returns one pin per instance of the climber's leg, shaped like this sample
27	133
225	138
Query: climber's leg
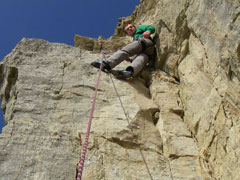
138	63
129	50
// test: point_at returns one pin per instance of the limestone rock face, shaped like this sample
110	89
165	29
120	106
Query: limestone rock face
178	122
47	92
100	44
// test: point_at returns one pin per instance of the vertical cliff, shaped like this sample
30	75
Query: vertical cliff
183	115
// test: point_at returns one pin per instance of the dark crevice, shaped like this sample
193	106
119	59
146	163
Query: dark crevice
12	75
178	112
175	156
238	52
236	17
9	76
125	144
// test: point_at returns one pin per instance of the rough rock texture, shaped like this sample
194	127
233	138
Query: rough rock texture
100	44
183	118
49	89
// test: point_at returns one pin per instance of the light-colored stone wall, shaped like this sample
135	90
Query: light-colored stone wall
183	116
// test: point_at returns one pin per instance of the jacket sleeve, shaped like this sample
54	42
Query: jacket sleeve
149	28
141	29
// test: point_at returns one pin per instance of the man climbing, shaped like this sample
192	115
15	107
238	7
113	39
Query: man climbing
142	46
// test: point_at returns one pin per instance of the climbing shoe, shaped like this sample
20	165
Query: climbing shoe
105	65
123	74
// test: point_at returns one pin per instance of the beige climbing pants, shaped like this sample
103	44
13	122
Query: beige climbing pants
134	48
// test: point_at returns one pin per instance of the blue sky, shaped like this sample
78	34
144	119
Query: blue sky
58	20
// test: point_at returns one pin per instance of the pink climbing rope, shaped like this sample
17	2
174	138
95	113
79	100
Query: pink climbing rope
84	151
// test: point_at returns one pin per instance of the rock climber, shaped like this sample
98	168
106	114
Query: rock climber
142	46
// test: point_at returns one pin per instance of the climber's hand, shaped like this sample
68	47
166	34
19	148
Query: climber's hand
146	34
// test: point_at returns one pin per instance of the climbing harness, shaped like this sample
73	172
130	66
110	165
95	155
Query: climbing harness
84	151
152	56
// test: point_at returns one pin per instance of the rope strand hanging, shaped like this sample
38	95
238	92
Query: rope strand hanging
124	111
144	160
84	151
